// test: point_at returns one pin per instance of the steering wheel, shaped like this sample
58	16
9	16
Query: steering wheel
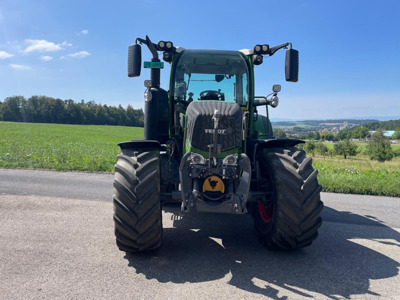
212	95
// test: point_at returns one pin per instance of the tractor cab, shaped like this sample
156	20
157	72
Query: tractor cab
210	75
203	81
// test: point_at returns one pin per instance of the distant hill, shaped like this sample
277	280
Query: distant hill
320	124
384	125
374	118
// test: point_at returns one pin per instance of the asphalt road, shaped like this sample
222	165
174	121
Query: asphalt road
57	242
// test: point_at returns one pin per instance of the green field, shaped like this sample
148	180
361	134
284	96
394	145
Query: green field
94	148
62	147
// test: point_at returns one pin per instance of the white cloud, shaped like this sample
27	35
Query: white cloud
19	67
80	54
65	43
82	32
43	46
46	58
4	55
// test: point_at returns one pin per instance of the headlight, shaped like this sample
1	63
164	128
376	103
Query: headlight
161	44
257	59
230	160
198	159
274	102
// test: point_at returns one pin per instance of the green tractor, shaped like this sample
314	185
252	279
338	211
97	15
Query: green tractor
206	147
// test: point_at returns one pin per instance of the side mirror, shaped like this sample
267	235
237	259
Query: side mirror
134	60
292	65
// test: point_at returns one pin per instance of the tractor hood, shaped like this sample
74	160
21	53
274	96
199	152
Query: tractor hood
200	125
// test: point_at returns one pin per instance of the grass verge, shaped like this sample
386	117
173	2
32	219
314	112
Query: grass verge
359	176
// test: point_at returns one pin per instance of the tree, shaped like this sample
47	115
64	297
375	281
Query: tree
340	149
344	134
327	136
360	133
331	152
346	148
11	108
309	147
297	129
310	135
43	109
322	149
280	134
379	147
396	134
352	148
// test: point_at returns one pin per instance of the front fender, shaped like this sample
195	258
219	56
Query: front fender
257	145
140	144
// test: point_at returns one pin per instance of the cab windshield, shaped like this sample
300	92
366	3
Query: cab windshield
211	75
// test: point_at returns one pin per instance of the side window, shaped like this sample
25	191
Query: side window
241	89
180	86
245	89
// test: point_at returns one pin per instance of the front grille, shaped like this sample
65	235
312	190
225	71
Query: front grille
200	124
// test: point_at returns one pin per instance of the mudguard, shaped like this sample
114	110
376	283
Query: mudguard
140	144
256	145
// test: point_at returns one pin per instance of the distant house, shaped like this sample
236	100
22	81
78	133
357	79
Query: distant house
387	133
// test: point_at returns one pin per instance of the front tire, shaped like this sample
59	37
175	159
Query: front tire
137	207
291	218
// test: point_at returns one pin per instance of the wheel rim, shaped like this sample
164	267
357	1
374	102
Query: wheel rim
265	213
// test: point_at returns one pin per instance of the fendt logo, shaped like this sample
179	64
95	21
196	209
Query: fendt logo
219	131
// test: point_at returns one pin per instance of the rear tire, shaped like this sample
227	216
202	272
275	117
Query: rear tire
137	207
292	217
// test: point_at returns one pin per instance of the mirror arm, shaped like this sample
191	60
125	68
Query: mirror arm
152	47
154	73
142	41
262	101
276	48
265	100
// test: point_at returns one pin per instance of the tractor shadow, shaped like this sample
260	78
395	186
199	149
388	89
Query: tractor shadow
206	247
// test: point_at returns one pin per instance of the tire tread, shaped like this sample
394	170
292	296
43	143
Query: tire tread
137	207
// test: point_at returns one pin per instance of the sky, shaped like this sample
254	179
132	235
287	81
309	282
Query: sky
349	50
